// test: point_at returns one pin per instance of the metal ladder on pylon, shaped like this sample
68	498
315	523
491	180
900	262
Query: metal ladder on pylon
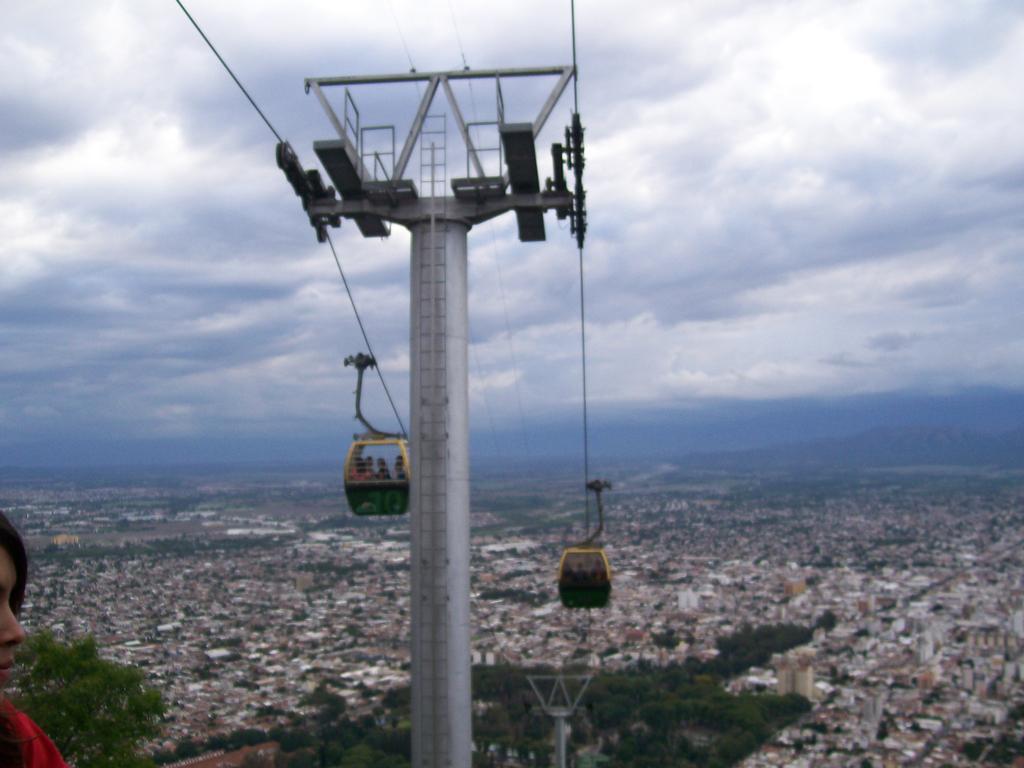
431	491
434	156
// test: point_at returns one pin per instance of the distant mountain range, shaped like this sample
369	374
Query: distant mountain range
882	447
800	432
875	448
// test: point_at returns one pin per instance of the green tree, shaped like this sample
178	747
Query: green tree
96	712
973	749
826	621
667	639
364	756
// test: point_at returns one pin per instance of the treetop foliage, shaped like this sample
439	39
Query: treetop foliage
96	712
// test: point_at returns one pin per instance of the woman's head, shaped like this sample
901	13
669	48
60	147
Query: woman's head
13	572
11	543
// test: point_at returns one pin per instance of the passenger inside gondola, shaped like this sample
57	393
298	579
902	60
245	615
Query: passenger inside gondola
357	472
386	465
571	574
584	569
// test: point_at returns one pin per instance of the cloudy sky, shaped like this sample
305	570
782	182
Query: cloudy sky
790	202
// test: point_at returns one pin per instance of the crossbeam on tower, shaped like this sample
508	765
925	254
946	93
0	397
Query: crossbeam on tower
477	196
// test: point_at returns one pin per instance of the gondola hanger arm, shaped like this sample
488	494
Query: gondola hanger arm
361	362
597	486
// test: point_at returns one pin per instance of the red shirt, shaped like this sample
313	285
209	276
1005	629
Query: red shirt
36	746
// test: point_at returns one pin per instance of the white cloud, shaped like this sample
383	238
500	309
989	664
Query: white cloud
786	199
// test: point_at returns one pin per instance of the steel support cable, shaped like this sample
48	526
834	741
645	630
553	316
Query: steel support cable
501	285
487	402
462	53
586	637
583	327
458	36
362	329
508	339
586	433
226	67
401	38
333	251
575	74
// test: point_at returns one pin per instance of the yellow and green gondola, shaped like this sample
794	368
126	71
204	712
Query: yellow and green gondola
369	492
377	468
584	573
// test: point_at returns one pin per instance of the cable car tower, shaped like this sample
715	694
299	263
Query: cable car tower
559	703
375	193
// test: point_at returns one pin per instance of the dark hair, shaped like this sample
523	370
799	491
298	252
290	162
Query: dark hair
10	540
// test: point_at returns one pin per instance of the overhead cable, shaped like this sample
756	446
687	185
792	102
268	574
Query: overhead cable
462	53
225	64
586	435
508	339
583	324
337	261
401	37
366	339
575	72
458	37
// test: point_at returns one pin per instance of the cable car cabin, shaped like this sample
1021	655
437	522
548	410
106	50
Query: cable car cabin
584	577
377	476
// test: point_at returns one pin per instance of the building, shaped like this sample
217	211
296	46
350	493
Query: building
688	600
794	587
795	672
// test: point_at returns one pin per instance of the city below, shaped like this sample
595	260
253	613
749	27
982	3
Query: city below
241	593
